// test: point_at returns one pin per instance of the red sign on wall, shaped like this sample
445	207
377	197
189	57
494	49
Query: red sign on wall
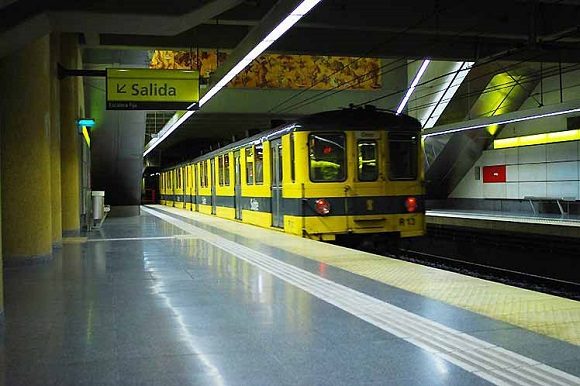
494	174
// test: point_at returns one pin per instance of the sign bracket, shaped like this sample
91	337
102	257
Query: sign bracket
63	72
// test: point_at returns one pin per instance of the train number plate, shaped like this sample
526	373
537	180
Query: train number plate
410	221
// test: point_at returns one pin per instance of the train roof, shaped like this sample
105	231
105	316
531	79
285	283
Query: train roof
367	119
351	119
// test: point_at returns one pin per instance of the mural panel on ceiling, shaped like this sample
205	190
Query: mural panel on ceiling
281	71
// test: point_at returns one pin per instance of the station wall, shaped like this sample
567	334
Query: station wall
547	170
550	170
116	144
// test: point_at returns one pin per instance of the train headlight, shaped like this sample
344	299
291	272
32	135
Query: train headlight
411	204
322	206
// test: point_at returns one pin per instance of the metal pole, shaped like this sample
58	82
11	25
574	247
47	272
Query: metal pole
65	72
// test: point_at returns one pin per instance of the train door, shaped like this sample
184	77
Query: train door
173	182
276	154
237	185
184	183
213	188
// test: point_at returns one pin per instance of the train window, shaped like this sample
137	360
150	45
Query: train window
221	170
227	170
250	166
280	163
403	154
204	173
292	166
327	157
259	163
201	175
367	161
199	170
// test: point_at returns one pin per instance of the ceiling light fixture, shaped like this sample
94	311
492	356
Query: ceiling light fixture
448	91
302	9
502	122
410	90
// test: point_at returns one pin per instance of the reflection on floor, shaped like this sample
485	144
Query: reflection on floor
143	302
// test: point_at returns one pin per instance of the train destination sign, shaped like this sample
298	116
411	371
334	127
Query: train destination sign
145	89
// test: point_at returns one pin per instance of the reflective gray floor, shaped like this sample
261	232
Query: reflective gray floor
178	311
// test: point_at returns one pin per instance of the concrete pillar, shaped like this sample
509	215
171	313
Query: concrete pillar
69	137
25	154
55	174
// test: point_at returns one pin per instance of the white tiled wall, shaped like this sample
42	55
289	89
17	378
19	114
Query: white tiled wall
551	170
532	172
530	154
536	189
565	151
562	189
512	172
562	171
543	170
513	190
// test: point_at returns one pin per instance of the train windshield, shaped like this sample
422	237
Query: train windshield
403	155
327	157
367	160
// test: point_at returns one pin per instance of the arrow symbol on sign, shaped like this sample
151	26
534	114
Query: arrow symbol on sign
121	89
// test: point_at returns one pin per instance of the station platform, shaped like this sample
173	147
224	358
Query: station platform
540	224
174	297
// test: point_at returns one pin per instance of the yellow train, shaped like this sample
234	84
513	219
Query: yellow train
343	172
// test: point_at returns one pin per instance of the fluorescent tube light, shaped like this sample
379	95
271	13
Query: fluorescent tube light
88	122
461	70
410	90
302	9
503	122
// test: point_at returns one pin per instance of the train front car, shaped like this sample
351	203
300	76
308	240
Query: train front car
361	172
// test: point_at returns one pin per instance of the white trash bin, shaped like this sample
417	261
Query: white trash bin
98	197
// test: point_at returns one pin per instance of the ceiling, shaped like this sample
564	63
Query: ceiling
441	29
526	30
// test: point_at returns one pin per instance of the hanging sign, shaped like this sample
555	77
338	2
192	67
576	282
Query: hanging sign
147	89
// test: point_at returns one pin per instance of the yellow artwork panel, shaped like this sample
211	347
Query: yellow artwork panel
281	71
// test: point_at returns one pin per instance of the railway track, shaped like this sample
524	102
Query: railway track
554	286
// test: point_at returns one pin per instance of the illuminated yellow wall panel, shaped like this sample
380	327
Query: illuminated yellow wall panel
537	139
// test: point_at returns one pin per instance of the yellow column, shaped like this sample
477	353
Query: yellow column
25	153
70	145
55	174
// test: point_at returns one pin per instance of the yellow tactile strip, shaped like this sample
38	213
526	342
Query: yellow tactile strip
74	240
545	314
